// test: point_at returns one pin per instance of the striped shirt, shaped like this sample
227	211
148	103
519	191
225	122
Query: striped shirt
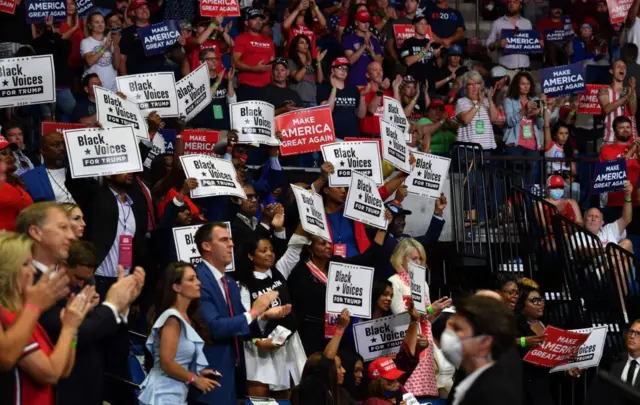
480	129
623	110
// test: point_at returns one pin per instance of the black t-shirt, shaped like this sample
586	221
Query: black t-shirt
420	69
437	74
216	114
84	108
50	43
279	96
137	61
345	111
444	22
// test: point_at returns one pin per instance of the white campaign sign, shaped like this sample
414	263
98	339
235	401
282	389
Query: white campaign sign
364	203
215	176
380	337
590	353
394	147
311	211
152	92
410	399
254	122
184	239
363	157
113	111
394	114
428	176
418	279
194	93
263	401
101	152
27	80
349	287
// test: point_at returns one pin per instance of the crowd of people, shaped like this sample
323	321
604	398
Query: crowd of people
86	260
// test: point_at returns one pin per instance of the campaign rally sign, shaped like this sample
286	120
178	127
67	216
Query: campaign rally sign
152	92
200	141
556	35
113	111
363	139
394	114
380	337
214	8
618	10
610	176
83	7
349	287
184	238
522	42
588	101
410	399
364	203
563	80
348	157
50	126
215	176
311	210
306	130
28	80
8	6
254	122
590	353
418	280
402	32
97	152
193	91
39	10
394	148
157	38
559	347
568	27
428	176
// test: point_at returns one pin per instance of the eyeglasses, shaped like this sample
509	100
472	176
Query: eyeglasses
252	196
510	293
211	59
536	300
634	333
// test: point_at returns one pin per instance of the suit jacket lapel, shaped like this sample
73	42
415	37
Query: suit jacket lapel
215	286
46	183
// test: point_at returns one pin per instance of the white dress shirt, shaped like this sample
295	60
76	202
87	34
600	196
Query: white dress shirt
509	61
466	384
625	370
218	275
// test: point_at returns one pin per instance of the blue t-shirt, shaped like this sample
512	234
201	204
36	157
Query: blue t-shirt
345	110
444	22
580	51
342	232
358	73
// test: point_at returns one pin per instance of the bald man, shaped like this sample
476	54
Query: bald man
490	294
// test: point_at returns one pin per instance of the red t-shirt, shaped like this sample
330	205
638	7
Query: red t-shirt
13	199
253	49
30	392
370	124
217	46
548	24
75	60
616	151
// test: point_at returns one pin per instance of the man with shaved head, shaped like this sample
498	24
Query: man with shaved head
490	294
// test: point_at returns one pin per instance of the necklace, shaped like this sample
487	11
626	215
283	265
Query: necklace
61	188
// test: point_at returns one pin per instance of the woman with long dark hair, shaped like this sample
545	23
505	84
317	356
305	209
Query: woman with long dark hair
304	18
354	382
176	340
305	70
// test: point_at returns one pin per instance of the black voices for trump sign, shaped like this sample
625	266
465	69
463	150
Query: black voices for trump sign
394	148
394	114
563	80
184	239
28	80
152	92
193	91
428	175
97	152
39	10
112	110
254	122
364	203
215	176
311	210
348	157
380	337
349	287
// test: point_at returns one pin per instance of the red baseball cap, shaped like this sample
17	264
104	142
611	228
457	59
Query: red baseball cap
384	367
555	181
363	16
135	4
436	103
6	144
341	61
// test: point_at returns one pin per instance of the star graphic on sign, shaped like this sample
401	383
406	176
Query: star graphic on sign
138	96
359	196
307	210
204	174
373	340
87	151
5	83
338	288
342	163
247	122
390	143
186	100
193	250
110	109
419	173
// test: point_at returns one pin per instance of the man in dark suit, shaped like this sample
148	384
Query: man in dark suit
223	313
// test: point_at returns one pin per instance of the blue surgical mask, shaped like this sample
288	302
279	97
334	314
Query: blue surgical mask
556	194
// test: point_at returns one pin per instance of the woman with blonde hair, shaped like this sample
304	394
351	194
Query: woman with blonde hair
76	218
422	381
42	364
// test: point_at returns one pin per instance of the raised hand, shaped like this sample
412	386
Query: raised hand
47	291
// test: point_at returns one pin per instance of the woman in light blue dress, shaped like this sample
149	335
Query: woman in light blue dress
176	340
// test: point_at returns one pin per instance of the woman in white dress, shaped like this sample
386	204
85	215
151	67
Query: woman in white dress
176	340
422	381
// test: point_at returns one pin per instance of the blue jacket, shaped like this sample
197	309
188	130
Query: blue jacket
512	124
37	184
223	328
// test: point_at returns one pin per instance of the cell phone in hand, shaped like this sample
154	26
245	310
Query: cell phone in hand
213	377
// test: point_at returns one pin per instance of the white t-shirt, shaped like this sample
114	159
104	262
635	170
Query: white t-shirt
556	151
104	66
608	234
633	36
57	178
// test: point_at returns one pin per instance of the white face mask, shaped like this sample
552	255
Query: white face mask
451	346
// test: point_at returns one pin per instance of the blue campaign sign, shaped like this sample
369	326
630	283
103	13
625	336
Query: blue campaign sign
39	10
157	38
169	136
522	42
557	35
563	80
610	176
84	6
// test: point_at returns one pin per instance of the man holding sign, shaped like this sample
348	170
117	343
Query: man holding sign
495	42
133	58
